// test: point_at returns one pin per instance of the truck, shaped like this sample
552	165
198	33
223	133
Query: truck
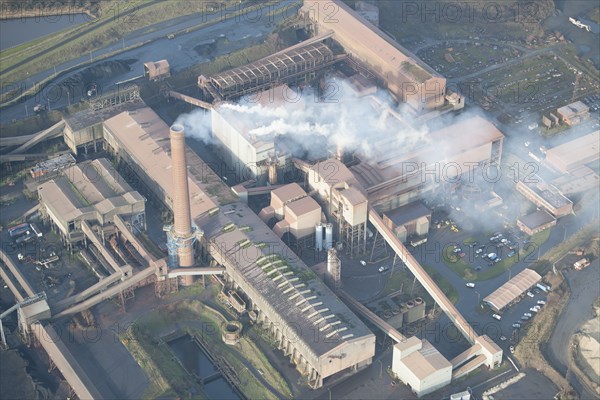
543	287
28	237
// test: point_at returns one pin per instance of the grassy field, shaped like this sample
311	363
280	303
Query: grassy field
464	270
442	282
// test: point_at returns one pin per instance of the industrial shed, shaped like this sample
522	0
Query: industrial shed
91	191
511	290
570	155
157	70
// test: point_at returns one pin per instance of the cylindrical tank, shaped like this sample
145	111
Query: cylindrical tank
328	236
334	268
319	237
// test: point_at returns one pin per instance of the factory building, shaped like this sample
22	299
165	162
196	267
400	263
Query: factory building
574	113
408	220
536	222
281	293
91	192
297	212
83	132
421	366
575	153
398	175
295	64
407	78
245	153
343	201
545	196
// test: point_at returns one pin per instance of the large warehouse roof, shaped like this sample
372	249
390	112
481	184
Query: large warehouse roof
344	21
574	153
454	139
88	187
512	289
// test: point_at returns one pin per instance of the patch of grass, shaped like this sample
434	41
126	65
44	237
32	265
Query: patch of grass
446	287
170	379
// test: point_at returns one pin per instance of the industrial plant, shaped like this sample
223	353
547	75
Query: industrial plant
267	197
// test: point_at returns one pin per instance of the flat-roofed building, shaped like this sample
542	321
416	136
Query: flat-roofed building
409	79
574	113
536	222
545	196
506	294
83	130
410	219
298	213
420	366
577	152
90	191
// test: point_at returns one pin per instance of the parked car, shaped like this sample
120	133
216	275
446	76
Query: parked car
541	302
516	325
511	349
530	294
533	309
527	314
383	268
496	316
503	338
363	263
525	318
470	284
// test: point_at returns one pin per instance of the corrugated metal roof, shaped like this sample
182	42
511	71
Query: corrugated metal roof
512	289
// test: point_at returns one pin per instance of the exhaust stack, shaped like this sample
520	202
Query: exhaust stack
181	191
181	234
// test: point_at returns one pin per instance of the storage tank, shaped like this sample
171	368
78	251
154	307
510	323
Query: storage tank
334	269
328	236
319	237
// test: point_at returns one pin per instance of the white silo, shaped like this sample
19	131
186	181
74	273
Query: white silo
328	236
319	237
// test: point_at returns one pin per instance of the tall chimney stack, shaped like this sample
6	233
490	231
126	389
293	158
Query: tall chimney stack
182	227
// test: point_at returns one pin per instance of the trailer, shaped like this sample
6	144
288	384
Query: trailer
36	230
18	230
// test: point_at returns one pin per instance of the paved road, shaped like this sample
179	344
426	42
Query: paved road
239	33
585	288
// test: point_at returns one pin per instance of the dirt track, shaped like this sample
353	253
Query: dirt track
585	288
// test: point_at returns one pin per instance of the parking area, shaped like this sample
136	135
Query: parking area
514	320
478	253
